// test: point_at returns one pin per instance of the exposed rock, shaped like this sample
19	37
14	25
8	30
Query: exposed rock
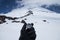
25	19
11	18
29	13
15	21
3	18
44	21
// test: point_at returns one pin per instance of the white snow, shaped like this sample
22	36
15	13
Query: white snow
49	30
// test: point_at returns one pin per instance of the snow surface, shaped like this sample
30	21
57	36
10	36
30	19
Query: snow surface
49	30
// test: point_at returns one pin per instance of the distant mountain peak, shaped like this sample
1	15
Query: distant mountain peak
52	7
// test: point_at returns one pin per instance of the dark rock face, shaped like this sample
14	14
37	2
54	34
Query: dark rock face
15	21
44	20
29	13
27	34
3	18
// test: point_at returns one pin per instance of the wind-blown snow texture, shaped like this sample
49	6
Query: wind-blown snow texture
46	23
49	30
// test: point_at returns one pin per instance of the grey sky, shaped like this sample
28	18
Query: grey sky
41	1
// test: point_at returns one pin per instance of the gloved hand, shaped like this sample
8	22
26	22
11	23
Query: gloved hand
27	34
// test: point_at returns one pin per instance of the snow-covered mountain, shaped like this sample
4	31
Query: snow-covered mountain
46	24
52	7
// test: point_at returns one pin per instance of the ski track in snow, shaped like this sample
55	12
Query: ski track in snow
49	30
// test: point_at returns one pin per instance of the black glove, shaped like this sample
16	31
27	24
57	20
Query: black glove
27	34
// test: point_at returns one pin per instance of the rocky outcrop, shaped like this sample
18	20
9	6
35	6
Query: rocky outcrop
3	18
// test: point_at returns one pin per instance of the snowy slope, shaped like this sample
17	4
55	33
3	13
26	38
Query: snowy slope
49	30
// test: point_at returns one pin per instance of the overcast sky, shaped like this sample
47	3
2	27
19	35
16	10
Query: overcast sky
8	5
42	1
